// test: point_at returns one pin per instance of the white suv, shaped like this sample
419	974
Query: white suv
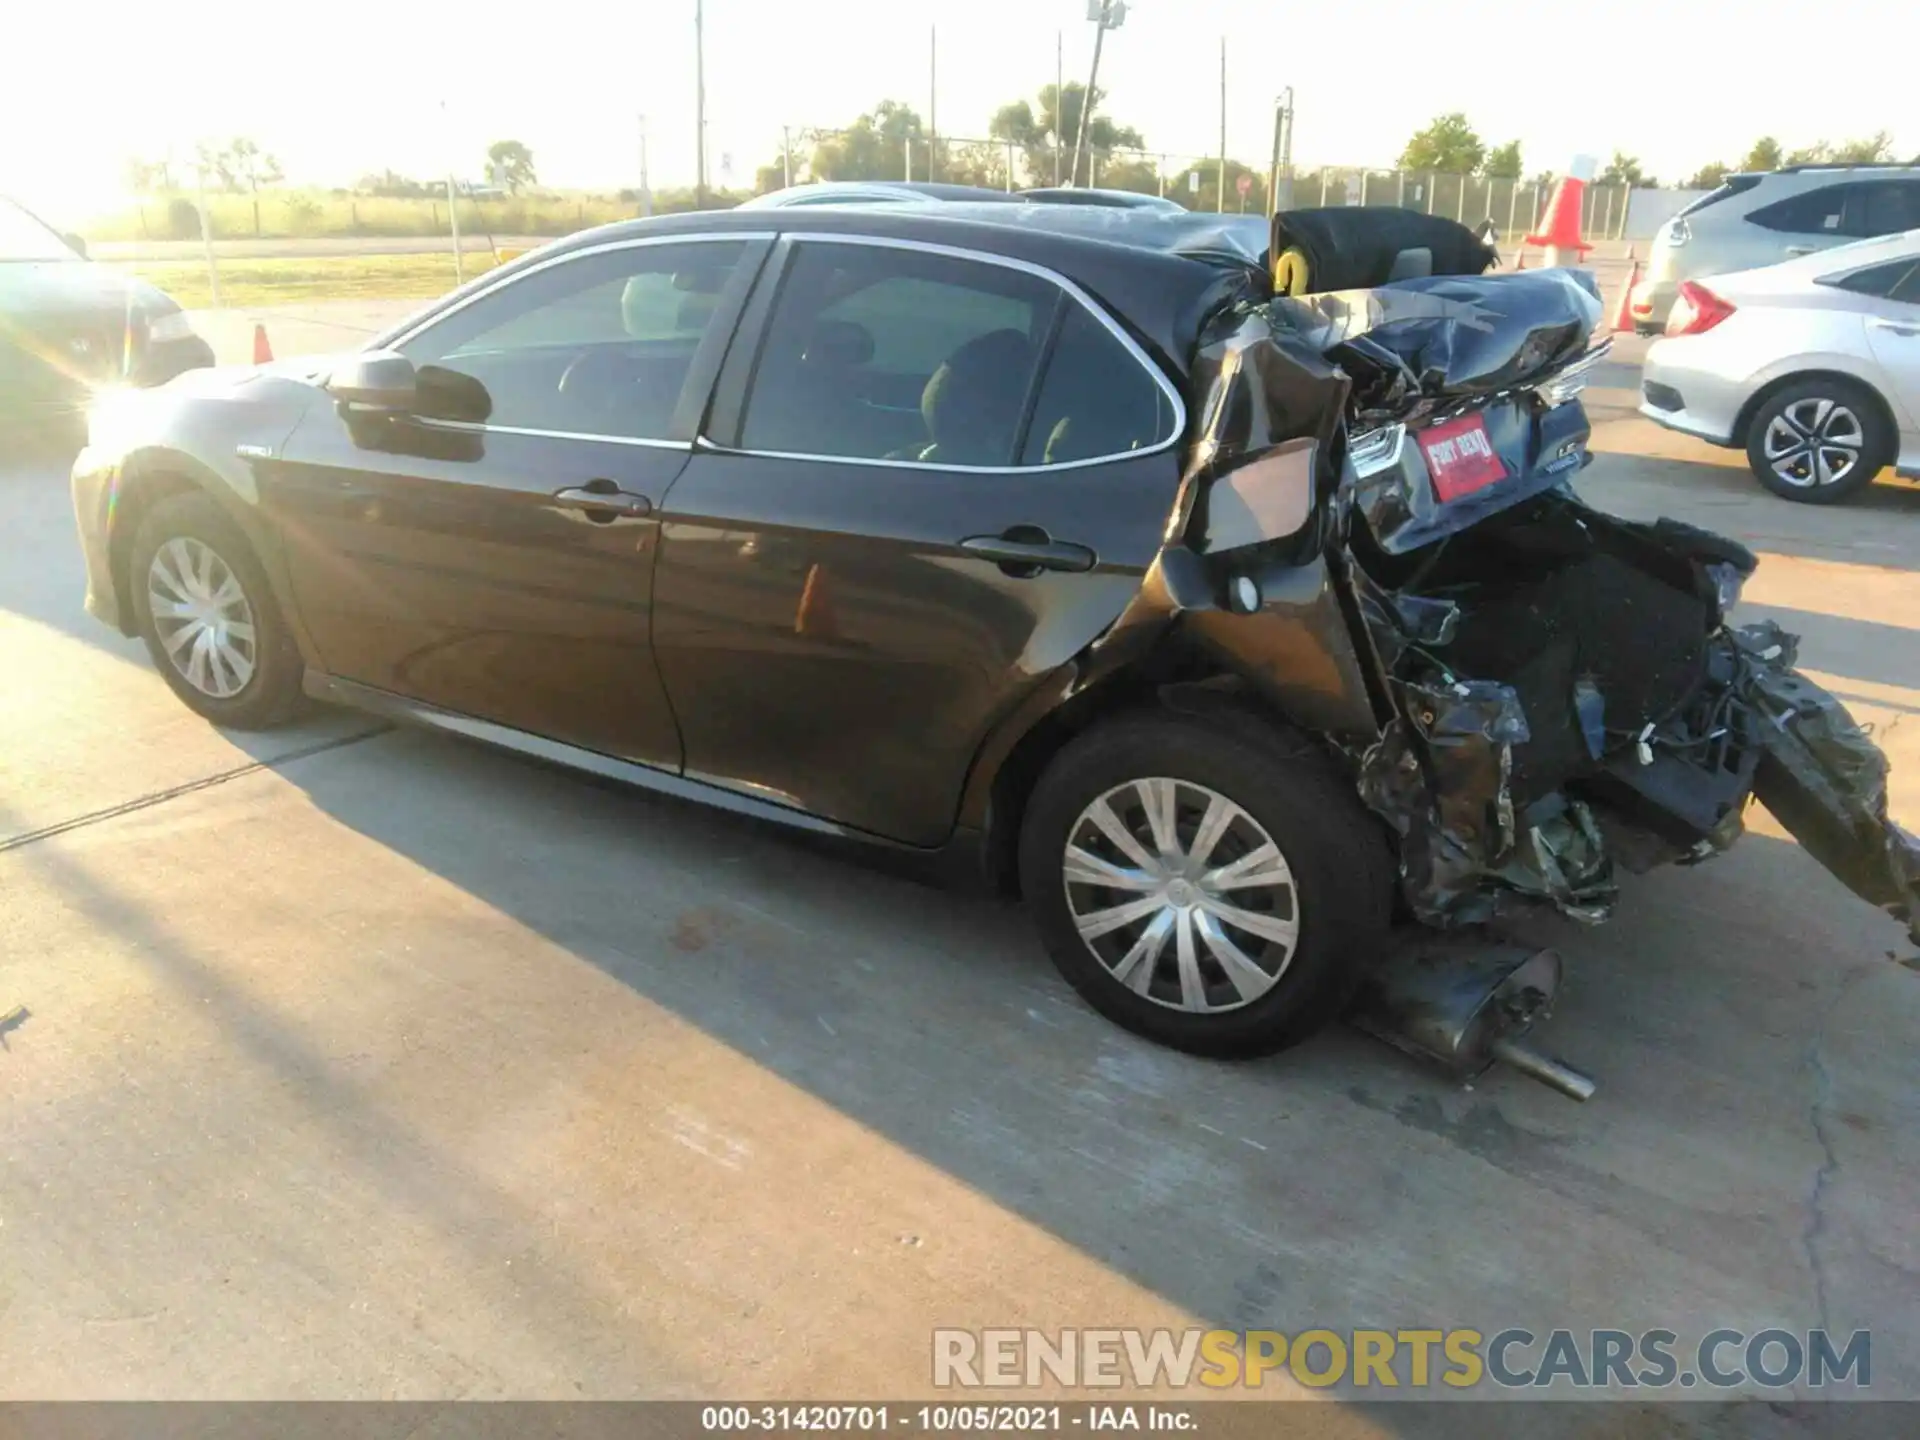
1757	220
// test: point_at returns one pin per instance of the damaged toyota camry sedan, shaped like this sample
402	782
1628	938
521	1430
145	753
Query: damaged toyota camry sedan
1237	631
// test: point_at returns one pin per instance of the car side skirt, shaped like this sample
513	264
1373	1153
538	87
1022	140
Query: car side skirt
958	862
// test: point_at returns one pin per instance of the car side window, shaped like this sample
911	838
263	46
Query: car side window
1096	399
1818	212
1907	292
1891	282
596	345
1887	207
890	353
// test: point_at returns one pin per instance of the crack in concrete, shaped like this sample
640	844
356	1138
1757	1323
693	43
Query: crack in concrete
1815	1228
190	787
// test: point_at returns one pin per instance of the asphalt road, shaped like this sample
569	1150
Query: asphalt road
359	1062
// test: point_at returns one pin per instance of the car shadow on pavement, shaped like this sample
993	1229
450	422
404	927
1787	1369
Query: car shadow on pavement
935	1020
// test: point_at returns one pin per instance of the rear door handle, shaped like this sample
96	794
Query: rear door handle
1026	550
602	498
1908	328
1799	250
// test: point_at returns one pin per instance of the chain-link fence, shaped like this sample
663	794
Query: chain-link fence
1513	206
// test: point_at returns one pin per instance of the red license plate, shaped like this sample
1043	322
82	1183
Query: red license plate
1460	457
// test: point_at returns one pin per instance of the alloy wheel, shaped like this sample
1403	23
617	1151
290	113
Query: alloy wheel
1181	895
1814	442
203	617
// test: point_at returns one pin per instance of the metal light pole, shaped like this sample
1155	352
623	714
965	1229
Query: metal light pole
646	189
699	105
453	207
1282	160
933	93
1106	15
786	155
1220	189
1059	98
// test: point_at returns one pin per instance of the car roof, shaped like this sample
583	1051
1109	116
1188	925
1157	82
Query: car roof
824	192
1163	273
1117	199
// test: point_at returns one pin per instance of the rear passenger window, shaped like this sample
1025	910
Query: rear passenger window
1096	398
886	353
1888	207
1892	282
1818	212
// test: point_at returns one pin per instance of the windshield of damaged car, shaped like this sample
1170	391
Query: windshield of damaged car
24	238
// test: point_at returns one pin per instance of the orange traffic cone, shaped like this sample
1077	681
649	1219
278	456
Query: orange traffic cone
1623	312
1561	234
262	351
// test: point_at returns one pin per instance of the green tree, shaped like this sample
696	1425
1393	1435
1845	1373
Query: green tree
1876	149
1131	173
1818	153
1707	177
1503	162
873	147
1055	125
1449	144
983	162
514	161
1765	155
148	177
1624	169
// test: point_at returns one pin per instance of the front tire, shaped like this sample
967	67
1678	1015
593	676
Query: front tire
209	618
1819	441
1211	885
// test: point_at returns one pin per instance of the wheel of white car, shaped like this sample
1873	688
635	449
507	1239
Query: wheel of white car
1819	441
1214	886
208	615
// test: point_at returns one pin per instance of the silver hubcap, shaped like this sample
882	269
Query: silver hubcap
203	618
1814	442
1181	895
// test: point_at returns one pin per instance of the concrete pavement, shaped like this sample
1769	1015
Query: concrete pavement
362	1062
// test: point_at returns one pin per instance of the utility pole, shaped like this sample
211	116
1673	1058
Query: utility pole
1059	98
933	93
786	155
1282	161
1220	190
699	105
1106	15
646	189
453	211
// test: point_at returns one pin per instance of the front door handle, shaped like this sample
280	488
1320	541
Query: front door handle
1796	251
1025	550
1907	328
602	499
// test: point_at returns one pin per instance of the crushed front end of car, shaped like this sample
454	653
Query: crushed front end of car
1555	694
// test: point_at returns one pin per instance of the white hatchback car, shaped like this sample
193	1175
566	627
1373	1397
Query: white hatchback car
1813	367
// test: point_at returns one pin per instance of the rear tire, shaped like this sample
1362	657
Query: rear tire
219	640
1223	789
1815	428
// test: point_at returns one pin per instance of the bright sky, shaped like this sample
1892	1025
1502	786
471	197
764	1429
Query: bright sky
342	87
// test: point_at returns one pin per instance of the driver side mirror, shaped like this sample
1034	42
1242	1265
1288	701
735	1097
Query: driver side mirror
376	380
76	244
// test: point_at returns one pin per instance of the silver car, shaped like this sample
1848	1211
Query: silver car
1812	367
1756	220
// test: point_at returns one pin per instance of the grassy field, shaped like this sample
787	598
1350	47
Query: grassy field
245	283
306	214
